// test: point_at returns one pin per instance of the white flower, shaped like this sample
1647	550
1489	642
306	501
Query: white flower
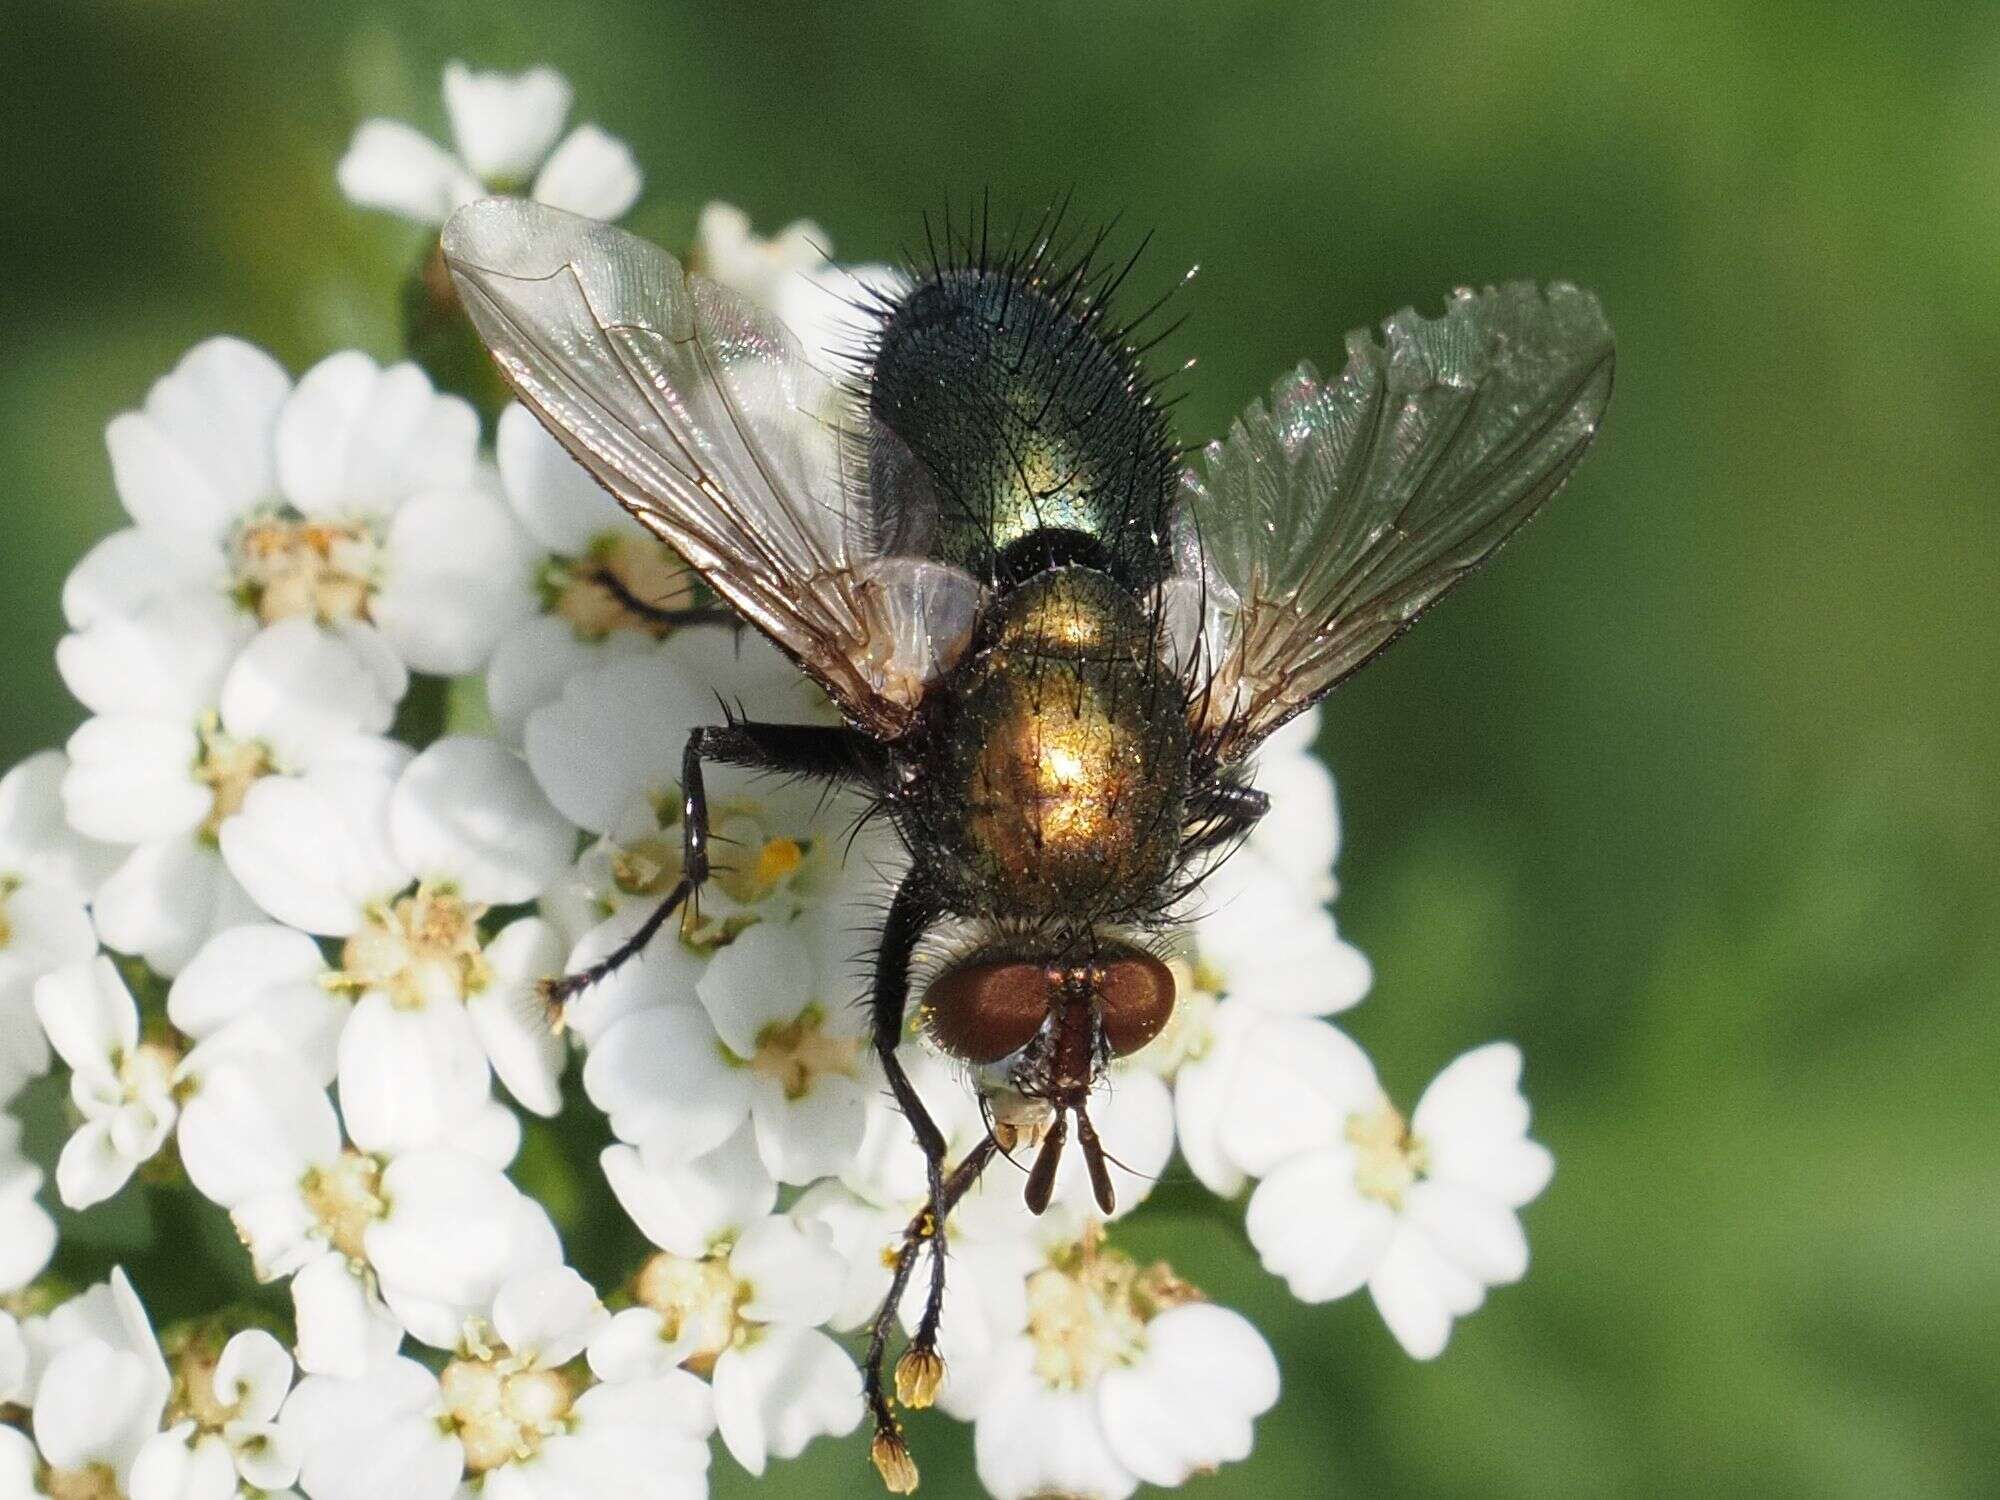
737	1293
598	564
48	874
1263	947
354	500
97	1387
223	1424
510	1413
504	127
378	1239
728	250
1121	1374
27	1233
769	1042
402	858
1423	1213
123	1089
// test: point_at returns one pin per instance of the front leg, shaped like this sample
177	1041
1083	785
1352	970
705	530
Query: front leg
836	754
911	911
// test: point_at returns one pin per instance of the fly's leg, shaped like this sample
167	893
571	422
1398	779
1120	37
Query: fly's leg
814	750
655	614
910	913
890	1453
1220	814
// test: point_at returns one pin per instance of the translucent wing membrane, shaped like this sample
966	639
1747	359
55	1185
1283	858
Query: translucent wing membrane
1328	519
697	410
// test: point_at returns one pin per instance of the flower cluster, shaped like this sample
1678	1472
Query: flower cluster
383	732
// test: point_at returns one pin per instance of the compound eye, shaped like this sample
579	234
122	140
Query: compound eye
981	1012
1136	999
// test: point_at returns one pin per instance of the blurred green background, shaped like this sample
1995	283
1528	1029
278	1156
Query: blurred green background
1693	795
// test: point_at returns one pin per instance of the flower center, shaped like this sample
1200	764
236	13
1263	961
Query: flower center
798	1053
97	1482
344	1200
1087	1312
422	949
227	767
194	1397
1388	1159
286	566
147	1071
502	1407
697	1300
8	885
624	582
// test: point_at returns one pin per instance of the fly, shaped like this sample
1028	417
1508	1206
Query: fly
1055	645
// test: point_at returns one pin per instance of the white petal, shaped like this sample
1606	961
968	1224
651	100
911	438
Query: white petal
459	571
314	850
1473	1122
96	1405
199	454
356	440
255	1130
1275	946
1303	838
300	689
511	1020
687	1208
129	779
89	1015
36	841
591	173
1300	1080
615	736
1418	1293
729	251
19	1464
134	568
1186	1407
1474	1230
815	1135
504	123
1311	1227
258	988
173	1465
344	1330
1033	1440
468	811
762	979
390	165
775	1395
660	1077
456	1231
166	659
27	1241
790	1271
253	1375
407	1077
549	1315
376	1436
554	495
532	662
165	901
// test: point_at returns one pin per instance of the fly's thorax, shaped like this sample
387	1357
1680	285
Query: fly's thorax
1057	762
1003	420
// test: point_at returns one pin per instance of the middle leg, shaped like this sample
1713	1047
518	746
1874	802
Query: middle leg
825	752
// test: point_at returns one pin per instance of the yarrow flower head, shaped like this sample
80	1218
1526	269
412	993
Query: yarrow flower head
384	733
507	133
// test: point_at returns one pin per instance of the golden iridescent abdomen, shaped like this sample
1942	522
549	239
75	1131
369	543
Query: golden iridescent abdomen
1064	771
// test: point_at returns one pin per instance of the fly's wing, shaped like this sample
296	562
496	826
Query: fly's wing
1328	519
697	410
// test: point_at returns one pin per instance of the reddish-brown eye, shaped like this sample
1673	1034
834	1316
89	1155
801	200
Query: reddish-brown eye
980	1012
1136	998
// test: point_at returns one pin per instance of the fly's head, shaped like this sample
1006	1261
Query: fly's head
1039	1028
